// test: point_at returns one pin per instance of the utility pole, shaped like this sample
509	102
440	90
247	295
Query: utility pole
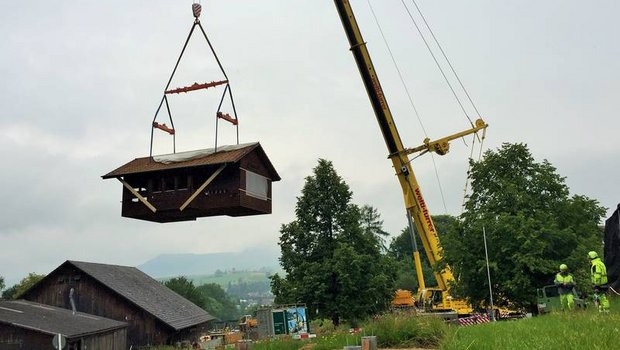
486	253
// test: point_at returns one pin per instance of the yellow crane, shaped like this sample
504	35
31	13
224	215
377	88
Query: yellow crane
439	298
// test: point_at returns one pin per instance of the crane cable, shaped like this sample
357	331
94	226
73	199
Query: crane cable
458	100
445	56
447	60
415	109
471	156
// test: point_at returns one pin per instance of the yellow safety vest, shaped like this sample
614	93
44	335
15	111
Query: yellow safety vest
598	272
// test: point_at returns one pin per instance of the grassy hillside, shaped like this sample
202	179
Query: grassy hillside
235	277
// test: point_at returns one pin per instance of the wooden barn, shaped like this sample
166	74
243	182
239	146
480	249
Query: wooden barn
28	325
155	314
232	180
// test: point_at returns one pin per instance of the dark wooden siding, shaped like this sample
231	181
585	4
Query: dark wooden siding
255	164
110	341
192	333
12	337
92	297
17	338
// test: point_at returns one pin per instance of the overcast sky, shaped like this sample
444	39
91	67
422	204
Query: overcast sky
80	81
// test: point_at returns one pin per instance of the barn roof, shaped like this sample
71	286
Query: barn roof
53	320
224	155
146	293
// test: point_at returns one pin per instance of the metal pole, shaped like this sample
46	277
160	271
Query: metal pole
486	254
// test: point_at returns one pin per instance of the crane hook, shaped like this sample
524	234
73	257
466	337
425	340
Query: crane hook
196	9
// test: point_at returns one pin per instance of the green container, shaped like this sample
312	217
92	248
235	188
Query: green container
279	322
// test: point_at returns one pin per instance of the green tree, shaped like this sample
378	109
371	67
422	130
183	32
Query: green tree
18	289
217	302
372	225
185	288
532	226
331	256
401	250
1	283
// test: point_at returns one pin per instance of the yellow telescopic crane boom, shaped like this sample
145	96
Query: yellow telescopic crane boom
414	201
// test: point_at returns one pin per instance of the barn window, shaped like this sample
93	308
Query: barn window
256	185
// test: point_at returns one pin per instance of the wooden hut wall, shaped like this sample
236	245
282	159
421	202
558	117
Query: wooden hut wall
253	163
92	297
168	190
220	195
227	194
222	192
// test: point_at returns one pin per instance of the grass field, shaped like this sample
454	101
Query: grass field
572	330
392	331
576	330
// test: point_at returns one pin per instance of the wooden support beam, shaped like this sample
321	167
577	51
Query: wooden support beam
196	86
138	195
202	187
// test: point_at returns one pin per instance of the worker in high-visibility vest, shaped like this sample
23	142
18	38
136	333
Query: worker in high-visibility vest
598	272
565	282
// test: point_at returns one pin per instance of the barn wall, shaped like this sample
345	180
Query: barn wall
13	338
191	334
92	297
111	341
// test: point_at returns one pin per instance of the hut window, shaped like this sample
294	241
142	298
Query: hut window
157	185
142	191
182	182
256	185
169	184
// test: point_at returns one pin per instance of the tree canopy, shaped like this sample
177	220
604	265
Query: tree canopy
209	296
186	288
401	250
18	289
217	302
331	252
532	226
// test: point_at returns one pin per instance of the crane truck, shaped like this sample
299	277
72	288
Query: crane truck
436	298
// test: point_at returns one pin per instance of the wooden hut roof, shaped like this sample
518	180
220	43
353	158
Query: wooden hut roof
53	320
224	154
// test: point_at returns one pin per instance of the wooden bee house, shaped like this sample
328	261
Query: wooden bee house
234	180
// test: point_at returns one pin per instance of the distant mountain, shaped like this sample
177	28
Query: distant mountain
171	265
